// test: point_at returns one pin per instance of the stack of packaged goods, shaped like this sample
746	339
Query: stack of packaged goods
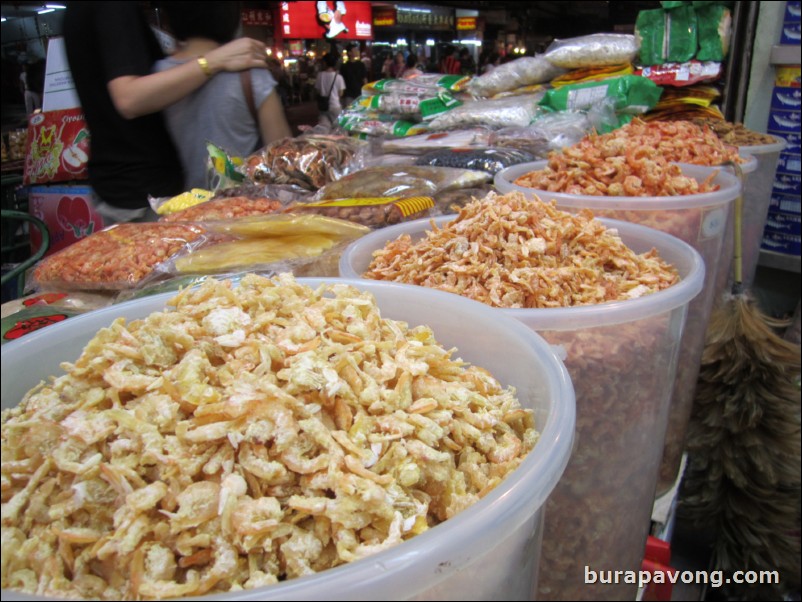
402	107
682	47
782	233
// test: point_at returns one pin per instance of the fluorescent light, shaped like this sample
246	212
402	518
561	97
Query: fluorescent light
430	42
44	11
3	19
56	6
401	42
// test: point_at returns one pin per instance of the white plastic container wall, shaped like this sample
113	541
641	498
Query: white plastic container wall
622	357
701	220
489	551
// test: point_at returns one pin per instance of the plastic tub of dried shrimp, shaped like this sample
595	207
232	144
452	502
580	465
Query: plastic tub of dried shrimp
621	356
309	439
702	220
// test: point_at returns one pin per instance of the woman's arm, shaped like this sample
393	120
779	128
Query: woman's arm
272	122
134	96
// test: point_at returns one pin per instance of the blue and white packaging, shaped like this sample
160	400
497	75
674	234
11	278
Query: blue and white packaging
785	121
786	99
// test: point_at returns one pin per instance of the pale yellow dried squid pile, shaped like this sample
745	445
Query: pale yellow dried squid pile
512	252
253	434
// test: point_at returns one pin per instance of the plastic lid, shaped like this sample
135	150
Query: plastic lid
729	188
690	265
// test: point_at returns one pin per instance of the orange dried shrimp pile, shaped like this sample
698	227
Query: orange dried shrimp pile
513	252
634	160
252	435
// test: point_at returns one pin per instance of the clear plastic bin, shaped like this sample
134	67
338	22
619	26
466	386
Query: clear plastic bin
622	357
702	221
489	551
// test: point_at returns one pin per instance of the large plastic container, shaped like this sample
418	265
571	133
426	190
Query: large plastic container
702	221
489	551
757	198
622	357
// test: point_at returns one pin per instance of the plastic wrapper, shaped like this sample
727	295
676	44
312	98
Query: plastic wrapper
166	206
552	131
309	161
26	320
409	105
380	125
225	208
595	50
372	213
632	95
525	71
425	85
589	74
490	160
389	160
523	91
681	74
286	194
116	258
423	143
253	243
715	29
77	302
223	170
494	113
667	36
451	201
402	181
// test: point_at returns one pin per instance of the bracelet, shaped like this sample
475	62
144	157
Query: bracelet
204	65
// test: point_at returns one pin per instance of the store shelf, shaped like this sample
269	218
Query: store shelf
782	54
778	261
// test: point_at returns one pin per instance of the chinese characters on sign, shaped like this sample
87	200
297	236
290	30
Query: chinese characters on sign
424	19
256	16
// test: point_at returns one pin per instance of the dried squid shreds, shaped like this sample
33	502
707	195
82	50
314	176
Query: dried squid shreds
251	435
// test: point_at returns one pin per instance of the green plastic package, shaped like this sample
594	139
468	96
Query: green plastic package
632	95
715	26
667	36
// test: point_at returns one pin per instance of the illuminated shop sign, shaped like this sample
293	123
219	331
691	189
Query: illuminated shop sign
340	20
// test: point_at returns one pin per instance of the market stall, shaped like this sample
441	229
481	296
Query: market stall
239	418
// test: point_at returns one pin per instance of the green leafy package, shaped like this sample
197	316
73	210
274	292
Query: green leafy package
715	27
631	94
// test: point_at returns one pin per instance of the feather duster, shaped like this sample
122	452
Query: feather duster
743	475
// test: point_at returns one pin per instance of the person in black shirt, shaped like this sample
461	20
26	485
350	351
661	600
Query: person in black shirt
355	75
111	51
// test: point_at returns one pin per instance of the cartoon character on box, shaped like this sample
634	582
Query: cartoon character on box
74	214
332	20
45	150
76	155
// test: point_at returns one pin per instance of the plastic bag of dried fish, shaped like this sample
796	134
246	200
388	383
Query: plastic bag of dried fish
309	161
405	181
525	71
595	50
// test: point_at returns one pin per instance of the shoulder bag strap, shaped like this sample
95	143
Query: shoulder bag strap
247	90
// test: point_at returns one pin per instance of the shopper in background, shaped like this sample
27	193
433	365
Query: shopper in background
32	84
411	69
111	51
238	112
450	64
399	64
466	62
355	75
330	84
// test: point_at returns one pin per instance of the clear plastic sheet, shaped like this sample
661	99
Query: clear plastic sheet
402	181
525	71
418	145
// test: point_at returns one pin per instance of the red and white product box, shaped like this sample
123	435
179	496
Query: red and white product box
68	211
